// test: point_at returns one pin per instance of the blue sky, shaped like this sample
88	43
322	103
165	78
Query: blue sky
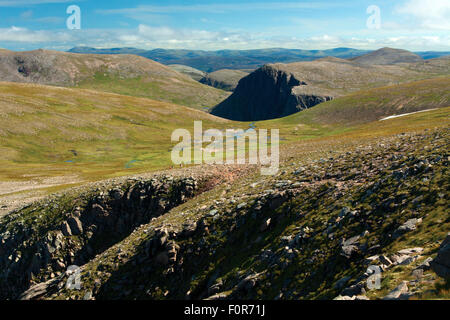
419	25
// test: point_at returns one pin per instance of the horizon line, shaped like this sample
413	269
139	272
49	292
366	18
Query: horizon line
217	50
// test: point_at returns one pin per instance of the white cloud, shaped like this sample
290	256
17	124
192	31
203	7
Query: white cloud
23	35
24	3
429	14
148	37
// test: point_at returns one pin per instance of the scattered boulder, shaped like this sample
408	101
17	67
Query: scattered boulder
441	264
408	226
343	298
355	290
249	282
385	260
218	296
88	295
397	293
189	229
40	290
417	273
349	247
75	225
342	282
425	265
65	229
411	251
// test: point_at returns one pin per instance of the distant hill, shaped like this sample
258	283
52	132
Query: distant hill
210	61
278	90
388	56
89	50
195	74
123	74
225	79
433	54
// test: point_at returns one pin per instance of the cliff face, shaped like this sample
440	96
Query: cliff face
265	94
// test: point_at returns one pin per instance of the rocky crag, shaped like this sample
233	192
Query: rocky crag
266	94
39	242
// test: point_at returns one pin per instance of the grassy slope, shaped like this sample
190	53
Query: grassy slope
345	113
337	77
179	91
123	74
189	71
41	128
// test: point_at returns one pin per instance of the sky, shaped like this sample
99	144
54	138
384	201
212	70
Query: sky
417	25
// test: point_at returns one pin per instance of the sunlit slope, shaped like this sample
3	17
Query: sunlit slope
49	131
338	77
123	74
348	112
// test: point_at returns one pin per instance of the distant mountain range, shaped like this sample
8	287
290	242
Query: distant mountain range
210	61
278	90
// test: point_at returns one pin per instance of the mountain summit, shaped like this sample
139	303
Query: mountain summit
386	56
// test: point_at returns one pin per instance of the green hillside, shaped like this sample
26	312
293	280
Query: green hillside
122	74
50	131
344	114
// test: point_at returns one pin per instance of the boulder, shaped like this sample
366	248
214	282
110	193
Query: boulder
398	292
349	247
355	290
249	282
76	226
342	282
411	251
408	226
441	264
385	260
425	265
65	229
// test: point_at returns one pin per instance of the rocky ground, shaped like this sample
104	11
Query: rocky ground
17	194
318	230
